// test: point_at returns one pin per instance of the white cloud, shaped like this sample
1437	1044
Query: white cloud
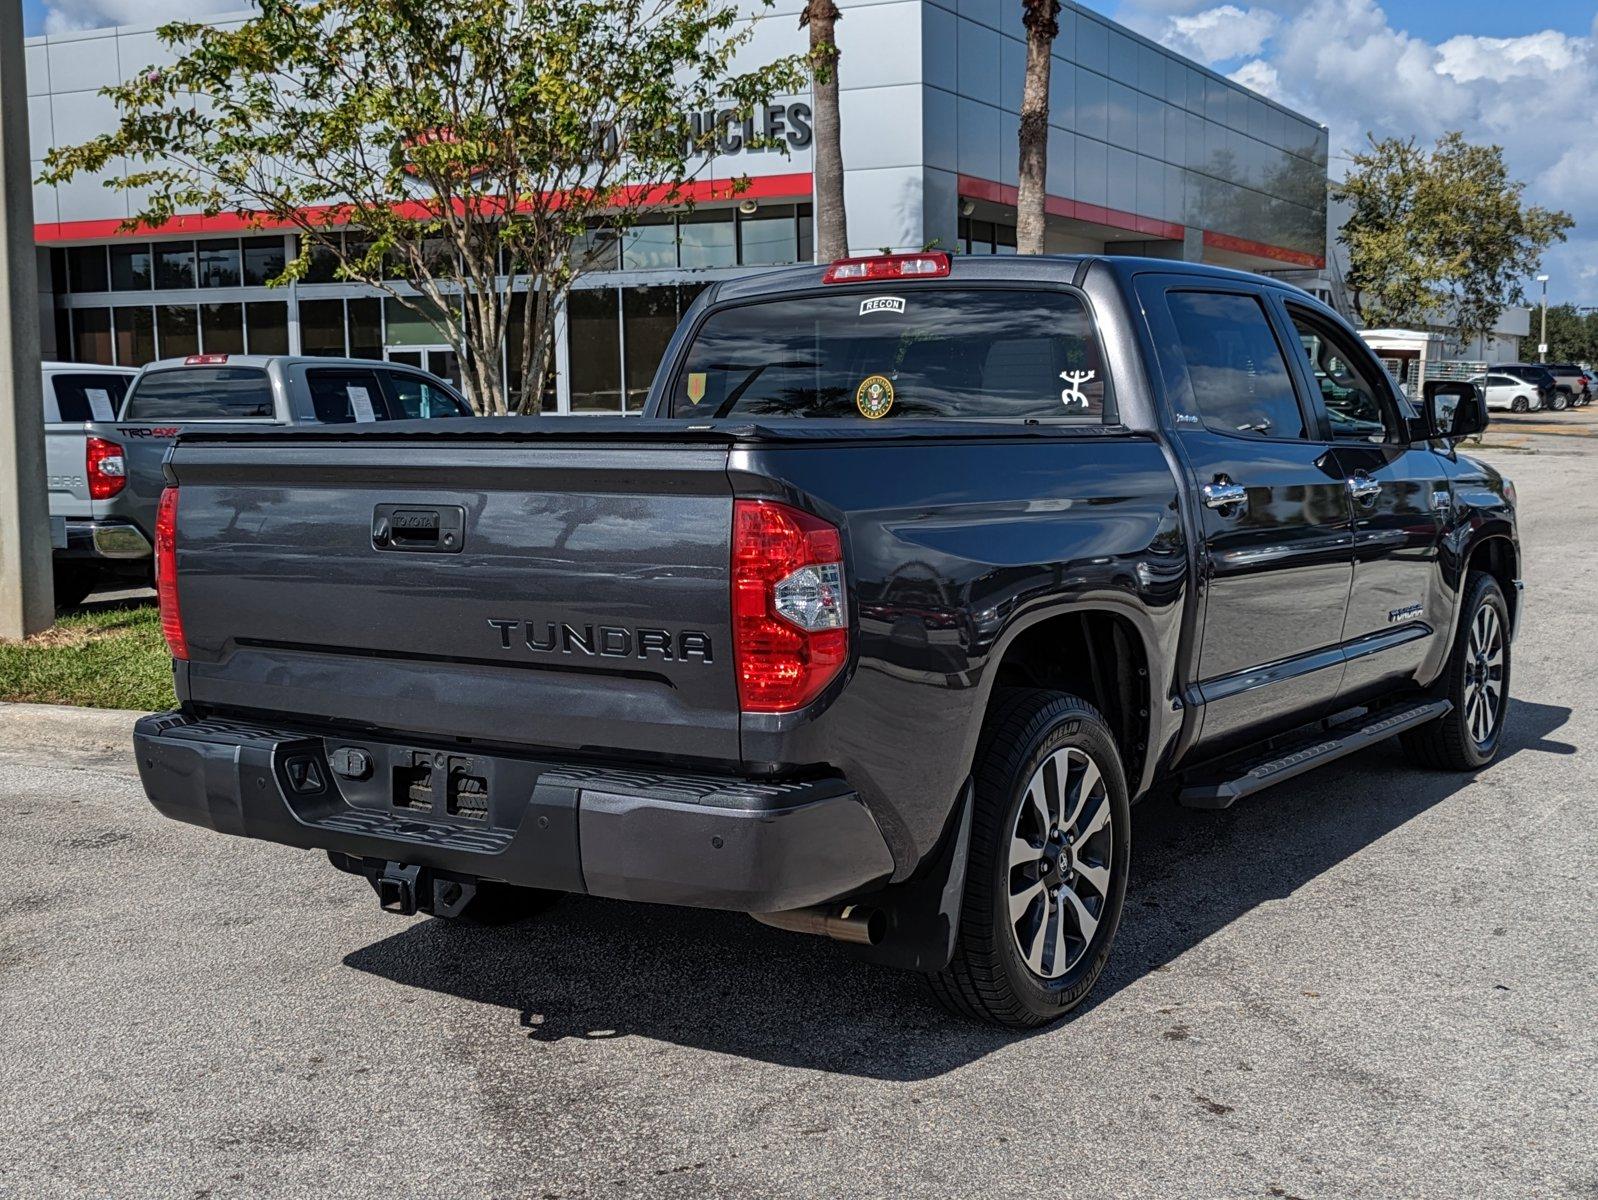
1218	34
64	16
1343	62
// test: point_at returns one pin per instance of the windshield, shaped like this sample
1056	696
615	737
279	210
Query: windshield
888	354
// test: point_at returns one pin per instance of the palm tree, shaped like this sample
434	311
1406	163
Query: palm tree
832	230
1041	18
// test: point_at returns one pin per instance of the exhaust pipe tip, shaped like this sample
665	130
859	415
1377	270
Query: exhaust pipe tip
842	923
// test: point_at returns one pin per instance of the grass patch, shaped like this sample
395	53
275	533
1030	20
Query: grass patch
114	657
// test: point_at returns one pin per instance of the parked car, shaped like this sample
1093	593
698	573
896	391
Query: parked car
1556	397
1576	381
106	470
1512	392
84	471
917	573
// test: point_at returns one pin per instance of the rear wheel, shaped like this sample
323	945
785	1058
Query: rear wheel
1467	737
1046	879
1520	404
1559	402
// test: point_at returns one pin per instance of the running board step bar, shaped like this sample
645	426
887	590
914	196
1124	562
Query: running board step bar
1315	752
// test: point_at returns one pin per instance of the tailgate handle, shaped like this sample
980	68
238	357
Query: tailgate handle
419	528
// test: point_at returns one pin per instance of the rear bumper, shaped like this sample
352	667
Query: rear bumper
662	837
102	539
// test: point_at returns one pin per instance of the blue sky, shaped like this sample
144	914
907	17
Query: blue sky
1522	76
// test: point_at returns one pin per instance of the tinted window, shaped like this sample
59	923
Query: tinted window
1235	367
340	397
417	397
1358	408
897	354
89	397
201	394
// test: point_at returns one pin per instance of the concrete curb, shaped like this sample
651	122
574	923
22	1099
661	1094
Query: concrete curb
92	738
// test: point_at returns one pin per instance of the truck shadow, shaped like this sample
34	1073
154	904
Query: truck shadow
595	969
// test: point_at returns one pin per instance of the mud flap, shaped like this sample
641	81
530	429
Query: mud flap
923	912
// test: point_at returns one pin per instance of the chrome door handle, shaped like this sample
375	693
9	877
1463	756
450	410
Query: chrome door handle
1223	493
1363	488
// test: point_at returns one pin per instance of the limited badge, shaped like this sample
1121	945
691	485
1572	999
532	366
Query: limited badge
696	386
874	396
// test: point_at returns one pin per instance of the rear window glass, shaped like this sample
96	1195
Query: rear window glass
886	354
340	397
89	396
201	394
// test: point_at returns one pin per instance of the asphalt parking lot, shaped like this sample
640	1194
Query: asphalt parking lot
1373	981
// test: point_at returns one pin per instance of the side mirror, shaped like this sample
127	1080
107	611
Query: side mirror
1453	410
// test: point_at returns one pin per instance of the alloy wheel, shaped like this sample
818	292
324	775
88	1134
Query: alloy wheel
1484	675
1059	862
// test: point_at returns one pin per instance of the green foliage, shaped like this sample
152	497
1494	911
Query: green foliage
1440	233
457	135
109	658
1572	334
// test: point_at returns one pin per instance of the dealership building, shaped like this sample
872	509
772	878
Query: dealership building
1149	153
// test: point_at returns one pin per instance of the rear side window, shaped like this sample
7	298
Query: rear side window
201	394
417	398
340	397
887	354
1235	367
88	396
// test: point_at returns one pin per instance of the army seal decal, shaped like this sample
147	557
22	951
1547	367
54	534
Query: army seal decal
874	397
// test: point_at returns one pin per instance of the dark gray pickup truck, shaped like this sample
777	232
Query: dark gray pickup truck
916	575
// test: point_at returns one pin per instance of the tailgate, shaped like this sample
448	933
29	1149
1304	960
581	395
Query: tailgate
568	595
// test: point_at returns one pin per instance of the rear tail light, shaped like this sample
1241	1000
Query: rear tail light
790	624
166	573
106	468
930	265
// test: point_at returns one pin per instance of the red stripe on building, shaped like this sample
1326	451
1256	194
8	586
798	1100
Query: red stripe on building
795	186
1153	227
1298	258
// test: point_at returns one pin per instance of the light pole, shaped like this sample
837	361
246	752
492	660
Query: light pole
1542	342
27	600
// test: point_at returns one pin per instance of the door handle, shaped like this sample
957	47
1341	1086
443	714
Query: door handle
1363	488
1223	493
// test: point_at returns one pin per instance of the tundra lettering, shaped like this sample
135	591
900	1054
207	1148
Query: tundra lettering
612	641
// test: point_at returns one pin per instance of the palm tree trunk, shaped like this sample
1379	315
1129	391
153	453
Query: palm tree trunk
1041	18
832	230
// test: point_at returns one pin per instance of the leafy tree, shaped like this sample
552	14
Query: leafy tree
1444	232
1572	334
1042	21
473	144
821	17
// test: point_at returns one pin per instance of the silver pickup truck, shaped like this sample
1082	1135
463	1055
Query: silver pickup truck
107	437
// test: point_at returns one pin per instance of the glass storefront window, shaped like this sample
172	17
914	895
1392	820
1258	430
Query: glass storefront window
366	328
177	330
768	238
218	263
222	328
264	260
86	269
807	234
135	335
407	327
651	245
323	263
708	239
649	317
593	338
268	322
130	268
515	331
91	336
174	264
598	249
322	328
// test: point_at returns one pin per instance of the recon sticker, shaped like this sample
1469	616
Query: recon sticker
881	304
874	396
696	386
1072	396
